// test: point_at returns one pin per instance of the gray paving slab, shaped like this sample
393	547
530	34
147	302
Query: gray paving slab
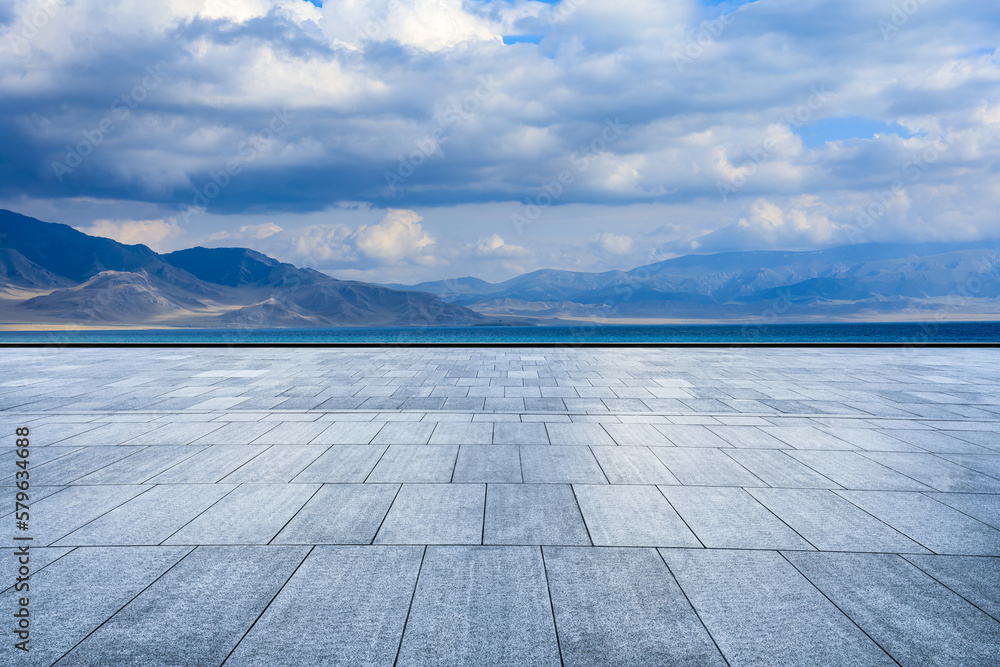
513	433
761	611
988	464
620	606
872	440
488	463
936	526
831	524
975	578
730	518
435	514
291	433
112	434
530	514
578	434
937	472
415	463
938	442
911	616
989	439
340	514
632	465
344	606
982	506
636	435
807	437
691	435
61	513
278	463
850	470
79	463
342	464
149	518
236	433
494	602
250	514
778	468
141	466
631	516
560	464
175	434
348	433
196	613
209	465
748	437
80	591
404	433
461	433
705	467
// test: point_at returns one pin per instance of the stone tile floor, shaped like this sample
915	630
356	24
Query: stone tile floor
507	506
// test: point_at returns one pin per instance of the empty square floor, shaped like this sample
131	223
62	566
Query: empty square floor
780	506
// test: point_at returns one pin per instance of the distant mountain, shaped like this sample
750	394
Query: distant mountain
114	296
95	280
863	279
16	270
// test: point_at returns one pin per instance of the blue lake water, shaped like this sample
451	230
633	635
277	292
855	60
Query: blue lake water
906	333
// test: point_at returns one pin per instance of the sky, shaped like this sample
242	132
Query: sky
412	140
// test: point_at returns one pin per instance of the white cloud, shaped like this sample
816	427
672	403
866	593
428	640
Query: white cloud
494	246
152	233
616	244
260	231
397	237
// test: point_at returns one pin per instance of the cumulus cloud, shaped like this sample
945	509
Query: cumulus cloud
494	246
397	237
616	244
152	233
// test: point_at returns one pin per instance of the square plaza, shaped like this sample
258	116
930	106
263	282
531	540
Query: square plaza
207	506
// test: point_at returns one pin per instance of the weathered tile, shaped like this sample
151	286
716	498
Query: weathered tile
150	517
911	616
730	518
344	605
761	611
340	514
936	526
618	606
830	523
415	463
560	464
494	602
632	465
196	613
342	464
250	514
631	516
435	514
80	591
973	577
528	514
488	463
705	467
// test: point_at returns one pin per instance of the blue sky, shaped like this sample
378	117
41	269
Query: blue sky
406	140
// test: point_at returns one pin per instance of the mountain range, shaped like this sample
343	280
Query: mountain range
864	281
54	275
